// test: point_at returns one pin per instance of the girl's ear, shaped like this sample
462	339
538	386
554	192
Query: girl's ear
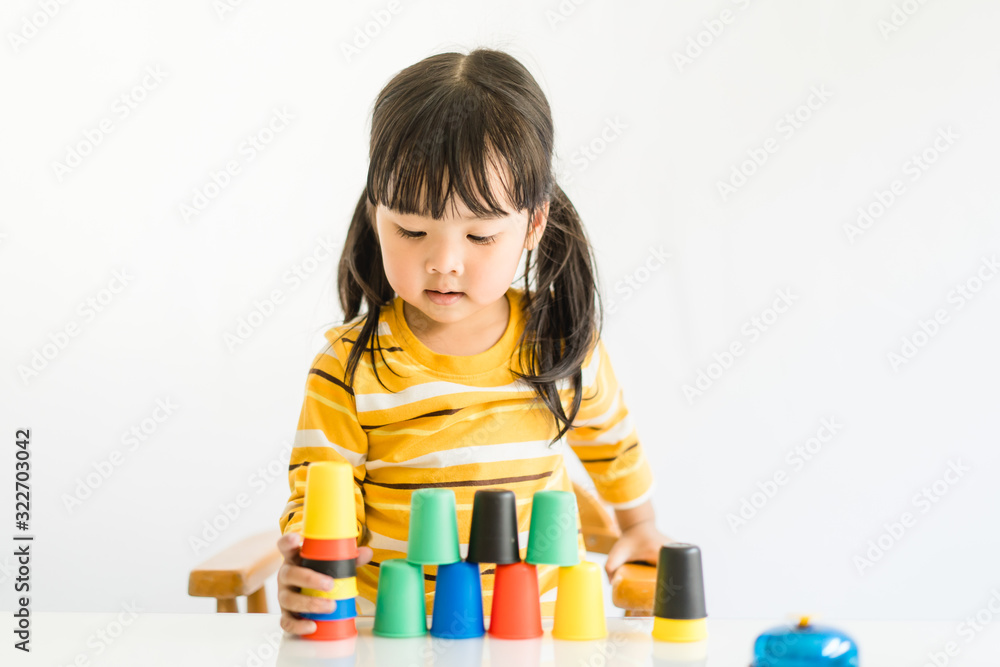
537	228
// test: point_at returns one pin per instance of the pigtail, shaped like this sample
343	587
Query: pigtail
361	276
563	313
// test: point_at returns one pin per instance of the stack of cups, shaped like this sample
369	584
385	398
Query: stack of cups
679	604
552	540
458	596
515	612
329	545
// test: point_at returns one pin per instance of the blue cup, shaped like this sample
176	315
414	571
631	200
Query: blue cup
458	602
345	609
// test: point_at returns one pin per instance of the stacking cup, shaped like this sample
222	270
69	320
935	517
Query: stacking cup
342	590
458	602
328	512
552	538
320	550
579	612
433	537
344	609
341	568
332	630
516	612
679	603
399	602
493	534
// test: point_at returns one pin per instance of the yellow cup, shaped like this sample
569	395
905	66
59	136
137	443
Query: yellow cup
328	512
342	589
579	613
680	629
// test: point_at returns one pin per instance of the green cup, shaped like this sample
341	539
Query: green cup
433	537
552	538
399	603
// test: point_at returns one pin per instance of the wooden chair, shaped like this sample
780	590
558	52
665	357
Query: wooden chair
242	569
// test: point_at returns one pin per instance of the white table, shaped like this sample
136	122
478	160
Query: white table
256	640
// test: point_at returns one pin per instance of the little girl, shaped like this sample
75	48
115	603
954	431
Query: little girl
451	377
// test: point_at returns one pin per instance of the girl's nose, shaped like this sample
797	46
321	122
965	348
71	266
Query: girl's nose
445	257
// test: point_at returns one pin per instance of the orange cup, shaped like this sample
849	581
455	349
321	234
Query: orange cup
330	630
516	612
329	549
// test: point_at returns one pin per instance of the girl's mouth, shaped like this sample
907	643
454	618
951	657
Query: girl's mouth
443	298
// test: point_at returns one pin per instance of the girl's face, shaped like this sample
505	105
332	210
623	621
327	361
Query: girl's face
473	258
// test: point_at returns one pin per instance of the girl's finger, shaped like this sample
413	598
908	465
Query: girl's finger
365	555
303	577
297	626
618	554
288	545
298	602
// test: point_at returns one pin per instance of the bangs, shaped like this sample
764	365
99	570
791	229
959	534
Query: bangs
429	144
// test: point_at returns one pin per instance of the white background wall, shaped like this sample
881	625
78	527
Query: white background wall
683	129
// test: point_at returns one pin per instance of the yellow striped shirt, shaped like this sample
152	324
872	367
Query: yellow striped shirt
457	422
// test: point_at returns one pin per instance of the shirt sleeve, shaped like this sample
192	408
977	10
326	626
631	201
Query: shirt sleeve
605	439
328	430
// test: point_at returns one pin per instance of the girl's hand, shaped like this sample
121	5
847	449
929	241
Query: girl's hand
292	577
640	542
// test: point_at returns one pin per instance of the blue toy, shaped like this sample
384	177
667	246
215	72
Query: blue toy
804	645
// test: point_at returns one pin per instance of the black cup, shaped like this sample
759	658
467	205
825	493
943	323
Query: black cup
493	535
680	588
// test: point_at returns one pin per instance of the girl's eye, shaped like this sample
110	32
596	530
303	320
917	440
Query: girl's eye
406	234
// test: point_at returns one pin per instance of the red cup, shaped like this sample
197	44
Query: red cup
516	612
329	549
330	630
